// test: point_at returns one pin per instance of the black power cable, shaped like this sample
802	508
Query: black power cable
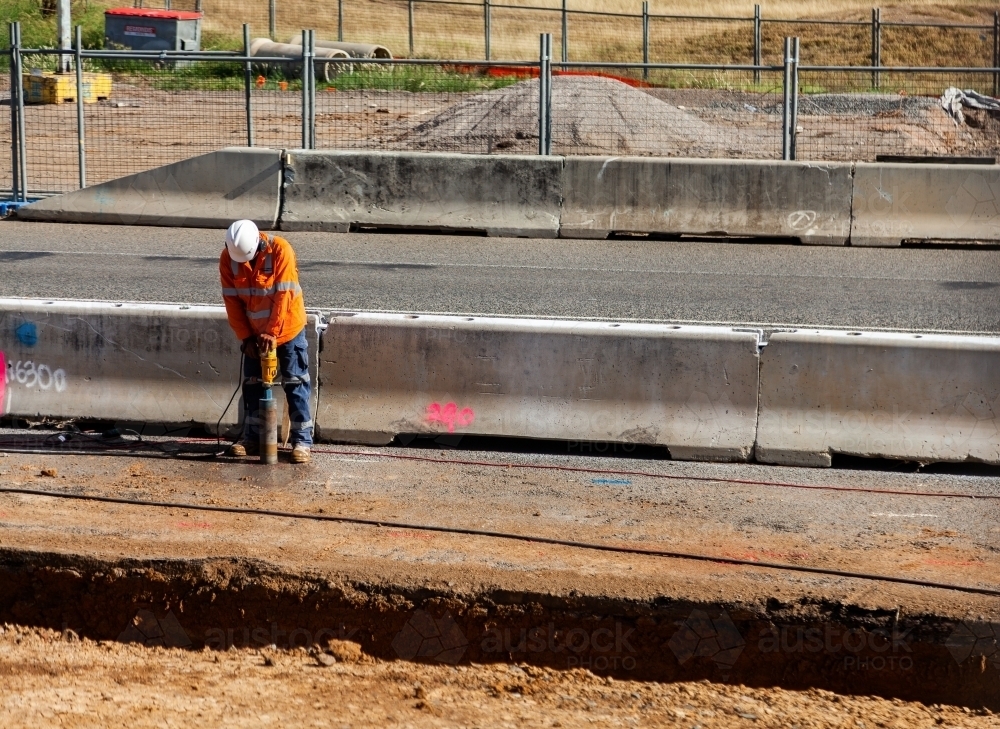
517	537
243	412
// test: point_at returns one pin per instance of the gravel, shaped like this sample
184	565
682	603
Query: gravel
591	115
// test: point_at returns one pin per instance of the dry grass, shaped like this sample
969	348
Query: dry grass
453	32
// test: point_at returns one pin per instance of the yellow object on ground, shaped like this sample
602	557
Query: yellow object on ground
47	87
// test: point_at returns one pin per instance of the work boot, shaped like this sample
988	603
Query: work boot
244	448
300	454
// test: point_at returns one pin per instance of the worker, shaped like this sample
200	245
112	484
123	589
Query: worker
260	285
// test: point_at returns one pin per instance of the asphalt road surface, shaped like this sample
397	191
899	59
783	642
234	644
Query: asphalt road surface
747	283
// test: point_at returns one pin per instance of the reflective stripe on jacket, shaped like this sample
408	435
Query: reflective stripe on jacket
263	295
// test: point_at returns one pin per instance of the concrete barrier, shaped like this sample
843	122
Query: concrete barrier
495	194
879	204
904	396
808	201
691	388
152	363
897	202
209	191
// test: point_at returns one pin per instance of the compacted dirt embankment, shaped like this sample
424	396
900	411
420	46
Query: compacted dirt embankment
220	604
52	676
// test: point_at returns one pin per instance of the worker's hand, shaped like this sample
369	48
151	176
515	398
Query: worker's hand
249	348
266	342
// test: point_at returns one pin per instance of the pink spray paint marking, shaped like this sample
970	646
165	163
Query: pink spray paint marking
3	381
449	415
410	535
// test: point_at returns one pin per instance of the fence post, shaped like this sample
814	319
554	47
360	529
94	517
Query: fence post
15	165
996	51
645	39
756	43
793	123
486	29
410	24
786	105
340	21
876	45
81	140
305	89
272	19
22	140
312	89
565	33
545	94
248	83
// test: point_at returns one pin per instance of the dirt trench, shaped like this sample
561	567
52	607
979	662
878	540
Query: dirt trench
224	603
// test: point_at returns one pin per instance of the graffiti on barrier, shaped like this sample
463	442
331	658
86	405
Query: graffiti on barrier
32	375
449	415
27	334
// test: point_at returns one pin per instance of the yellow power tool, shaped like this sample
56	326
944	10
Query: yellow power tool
268	367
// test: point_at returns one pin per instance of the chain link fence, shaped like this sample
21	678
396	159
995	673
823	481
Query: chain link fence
667	110
163	108
899	116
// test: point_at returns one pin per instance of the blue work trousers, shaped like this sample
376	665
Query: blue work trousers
293	366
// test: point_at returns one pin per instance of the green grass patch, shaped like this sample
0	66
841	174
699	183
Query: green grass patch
38	29
416	79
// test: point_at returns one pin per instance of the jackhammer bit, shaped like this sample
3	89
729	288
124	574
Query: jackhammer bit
268	407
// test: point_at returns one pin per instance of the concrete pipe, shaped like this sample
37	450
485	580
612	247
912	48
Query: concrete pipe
355	50
328	61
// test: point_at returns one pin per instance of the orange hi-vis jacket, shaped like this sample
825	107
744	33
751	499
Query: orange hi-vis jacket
263	295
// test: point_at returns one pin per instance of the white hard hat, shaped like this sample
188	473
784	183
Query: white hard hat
241	240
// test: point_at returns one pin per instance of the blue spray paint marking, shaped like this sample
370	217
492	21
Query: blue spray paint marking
611	481
27	334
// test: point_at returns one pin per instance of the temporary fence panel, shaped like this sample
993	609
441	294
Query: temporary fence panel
6	178
171	108
160	113
50	142
475	108
841	116
666	112
276	104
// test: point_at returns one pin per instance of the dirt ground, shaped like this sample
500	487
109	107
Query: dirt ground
55	679
177	576
939	539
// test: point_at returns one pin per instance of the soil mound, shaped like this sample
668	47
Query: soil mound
590	115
